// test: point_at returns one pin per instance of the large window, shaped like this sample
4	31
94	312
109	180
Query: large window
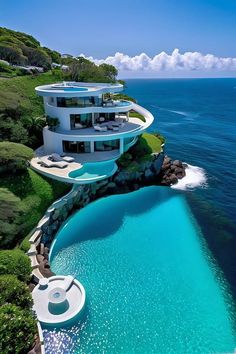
76	146
107	145
78	121
79	101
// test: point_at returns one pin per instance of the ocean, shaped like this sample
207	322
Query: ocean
198	119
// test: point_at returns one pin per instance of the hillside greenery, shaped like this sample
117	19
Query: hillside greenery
29	195
22	49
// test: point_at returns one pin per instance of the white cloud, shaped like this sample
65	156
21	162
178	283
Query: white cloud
188	61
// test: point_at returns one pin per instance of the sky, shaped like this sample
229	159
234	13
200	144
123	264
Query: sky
151	38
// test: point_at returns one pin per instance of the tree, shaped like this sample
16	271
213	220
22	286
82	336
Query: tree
110	71
14	156
17	330
10	212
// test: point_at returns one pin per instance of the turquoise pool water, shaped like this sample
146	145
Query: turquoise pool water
124	103
150	281
94	171
75	89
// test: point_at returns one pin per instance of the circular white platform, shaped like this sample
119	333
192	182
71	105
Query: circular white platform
58	299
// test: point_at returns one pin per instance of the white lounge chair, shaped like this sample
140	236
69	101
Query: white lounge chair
56	157
99	128
45	162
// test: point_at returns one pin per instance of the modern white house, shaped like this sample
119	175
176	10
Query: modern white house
94	130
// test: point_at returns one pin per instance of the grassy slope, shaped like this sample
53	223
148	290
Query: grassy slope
36	193
21	89
153	142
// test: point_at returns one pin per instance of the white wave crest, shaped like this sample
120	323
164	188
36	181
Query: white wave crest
195	177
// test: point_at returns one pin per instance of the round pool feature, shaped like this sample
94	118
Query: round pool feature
57	295
58	299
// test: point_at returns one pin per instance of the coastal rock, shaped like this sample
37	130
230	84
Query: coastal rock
177	163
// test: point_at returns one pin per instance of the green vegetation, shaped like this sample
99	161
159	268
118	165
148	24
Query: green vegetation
52	123
14	157
11	210
137	115
14	291
146	145
15	262
17	329
81	69
22	49
123	96
36	193
149	143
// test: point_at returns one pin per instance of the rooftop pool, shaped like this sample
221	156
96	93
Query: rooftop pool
94	171
79	89
152	285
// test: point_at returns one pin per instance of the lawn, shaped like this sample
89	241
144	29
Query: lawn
153	142
36	192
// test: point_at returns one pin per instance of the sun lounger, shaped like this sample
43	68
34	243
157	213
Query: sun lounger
68	158
99	128
57	157
45	162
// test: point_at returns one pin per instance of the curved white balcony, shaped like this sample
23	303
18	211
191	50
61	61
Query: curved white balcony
65	112
133	127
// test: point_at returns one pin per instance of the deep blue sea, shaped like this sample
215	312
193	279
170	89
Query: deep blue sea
198	119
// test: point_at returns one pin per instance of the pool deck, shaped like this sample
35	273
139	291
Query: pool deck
80	159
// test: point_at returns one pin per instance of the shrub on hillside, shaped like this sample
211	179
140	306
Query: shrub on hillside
15	262
11	210
37	57
15	292
12	54
17	329
14	156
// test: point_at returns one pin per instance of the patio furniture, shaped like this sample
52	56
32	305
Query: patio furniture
115	128
56	157
99	128
45	162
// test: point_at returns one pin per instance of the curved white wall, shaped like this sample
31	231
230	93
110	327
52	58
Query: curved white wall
63	114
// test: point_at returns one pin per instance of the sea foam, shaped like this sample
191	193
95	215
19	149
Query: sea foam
195	177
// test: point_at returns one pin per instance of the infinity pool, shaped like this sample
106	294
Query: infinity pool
151	283
94	171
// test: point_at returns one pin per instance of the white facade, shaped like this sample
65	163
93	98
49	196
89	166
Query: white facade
83	113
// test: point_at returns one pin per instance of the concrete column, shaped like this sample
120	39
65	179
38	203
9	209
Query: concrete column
92	146
121	146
